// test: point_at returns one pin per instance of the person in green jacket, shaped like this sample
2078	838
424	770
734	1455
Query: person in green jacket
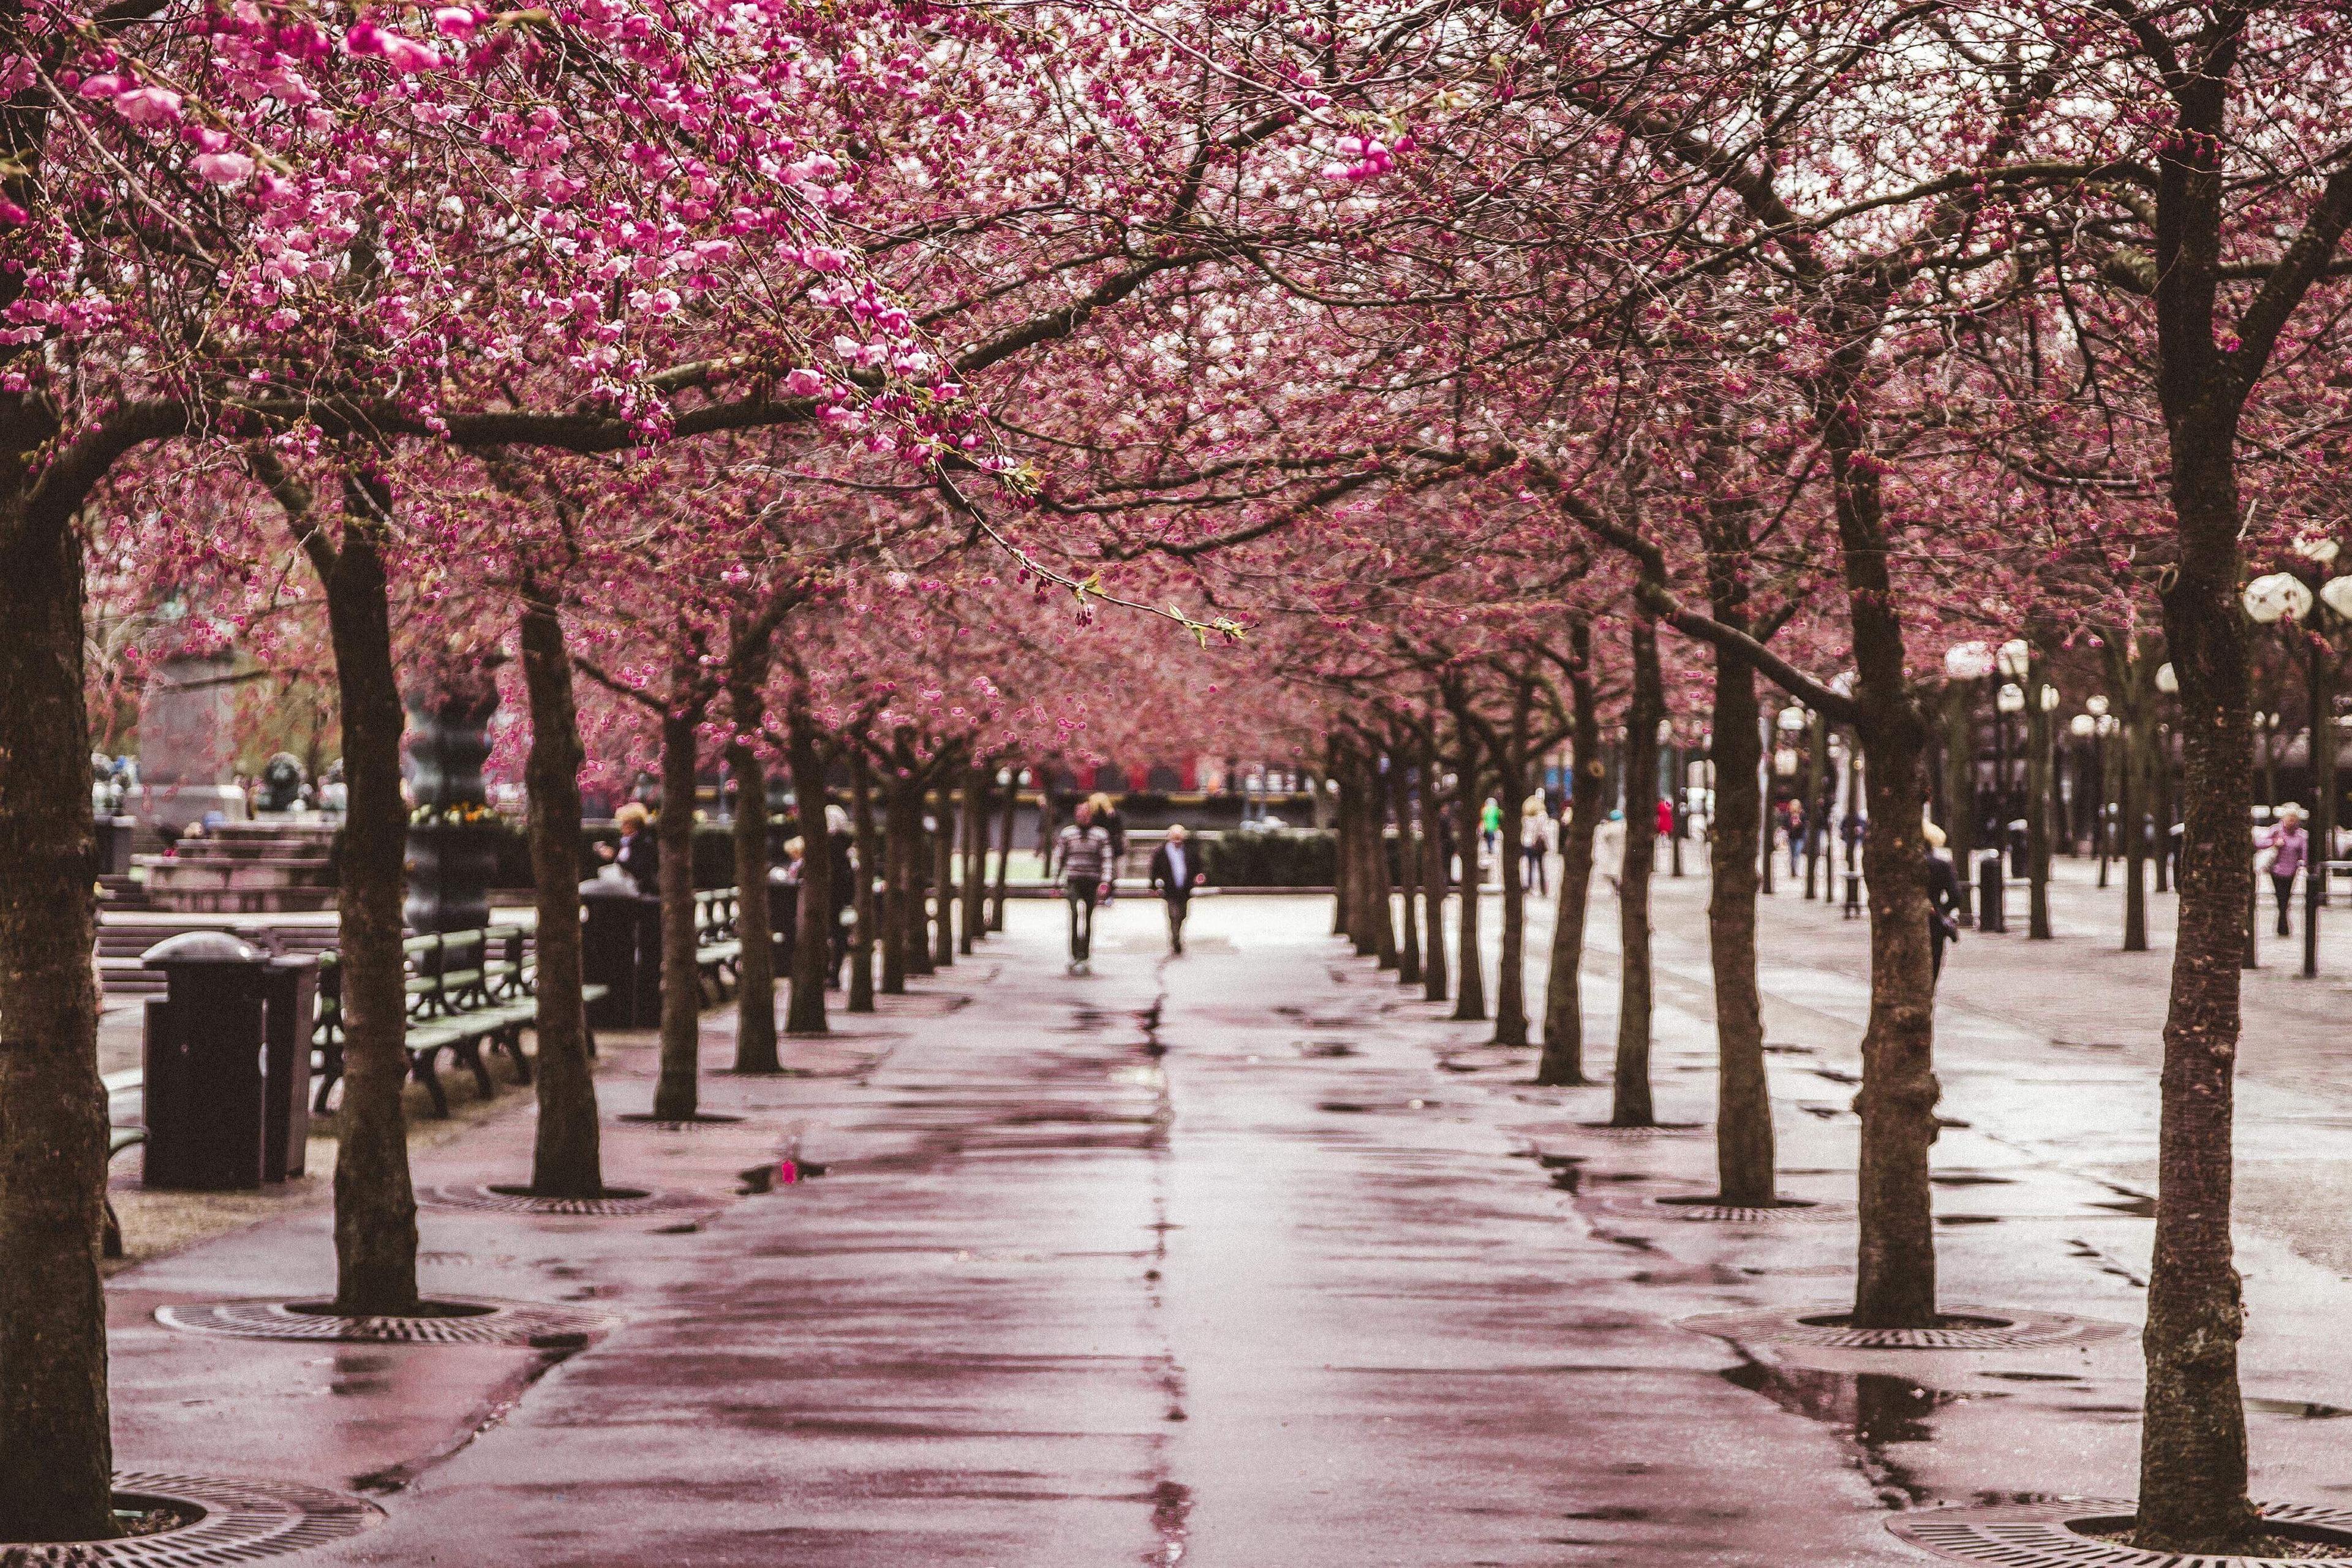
1490	826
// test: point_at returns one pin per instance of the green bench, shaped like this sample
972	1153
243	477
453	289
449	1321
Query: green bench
468	990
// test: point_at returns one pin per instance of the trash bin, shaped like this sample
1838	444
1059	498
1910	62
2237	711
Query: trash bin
620	949
1993	915
204	1072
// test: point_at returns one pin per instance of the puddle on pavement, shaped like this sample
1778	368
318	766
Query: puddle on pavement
2302	1410
1971	1179
1319	1048
1968	1219
1875	1412
2138	1205
2034	1376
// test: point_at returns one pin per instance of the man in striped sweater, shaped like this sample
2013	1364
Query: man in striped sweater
1084	849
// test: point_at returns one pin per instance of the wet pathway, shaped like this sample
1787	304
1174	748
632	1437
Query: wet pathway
1207	1261
1247	1258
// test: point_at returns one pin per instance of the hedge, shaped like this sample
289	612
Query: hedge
1290	857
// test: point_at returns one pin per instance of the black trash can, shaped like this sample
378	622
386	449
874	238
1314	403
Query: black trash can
620	949
204	1073
1992	913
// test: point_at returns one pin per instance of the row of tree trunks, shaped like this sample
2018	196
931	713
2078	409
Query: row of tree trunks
898	827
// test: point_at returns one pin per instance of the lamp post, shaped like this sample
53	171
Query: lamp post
2168	684
2007	702
1791	723
2280	596
1670	758
1965	665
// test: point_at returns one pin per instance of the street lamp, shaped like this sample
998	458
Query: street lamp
2288	596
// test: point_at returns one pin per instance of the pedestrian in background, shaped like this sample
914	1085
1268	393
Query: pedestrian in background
1175	872
1535	839
2284	846
1083	850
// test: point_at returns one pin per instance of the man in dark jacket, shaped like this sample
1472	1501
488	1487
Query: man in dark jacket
1175	872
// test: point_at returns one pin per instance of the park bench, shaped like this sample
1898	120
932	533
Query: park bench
718	952
467	990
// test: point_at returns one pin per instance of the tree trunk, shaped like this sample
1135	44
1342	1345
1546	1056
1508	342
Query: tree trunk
1510	969
868	844
1004	848
943	837
755	1003
897	879
1378	890
375	1209
56	1456
1630	1089
1563	1043
2192	1486
1470	1001
812	940
1434	981
566	1150
677	1092
920	859
1744	1152
1346	919
1408	869
976	784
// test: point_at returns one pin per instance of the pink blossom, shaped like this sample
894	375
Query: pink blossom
149	106
823	258
222	168
804	383
455	21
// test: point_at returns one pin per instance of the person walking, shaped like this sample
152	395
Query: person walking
1536	833
2286	846
1943	899
785	882
1175	872
1083	850
1490	830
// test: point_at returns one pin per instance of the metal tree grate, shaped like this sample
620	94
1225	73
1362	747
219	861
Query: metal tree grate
1963	1329
2042	1535
1659	1130
529	1323
235	1521
678	1124
619	1202
1675	1207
